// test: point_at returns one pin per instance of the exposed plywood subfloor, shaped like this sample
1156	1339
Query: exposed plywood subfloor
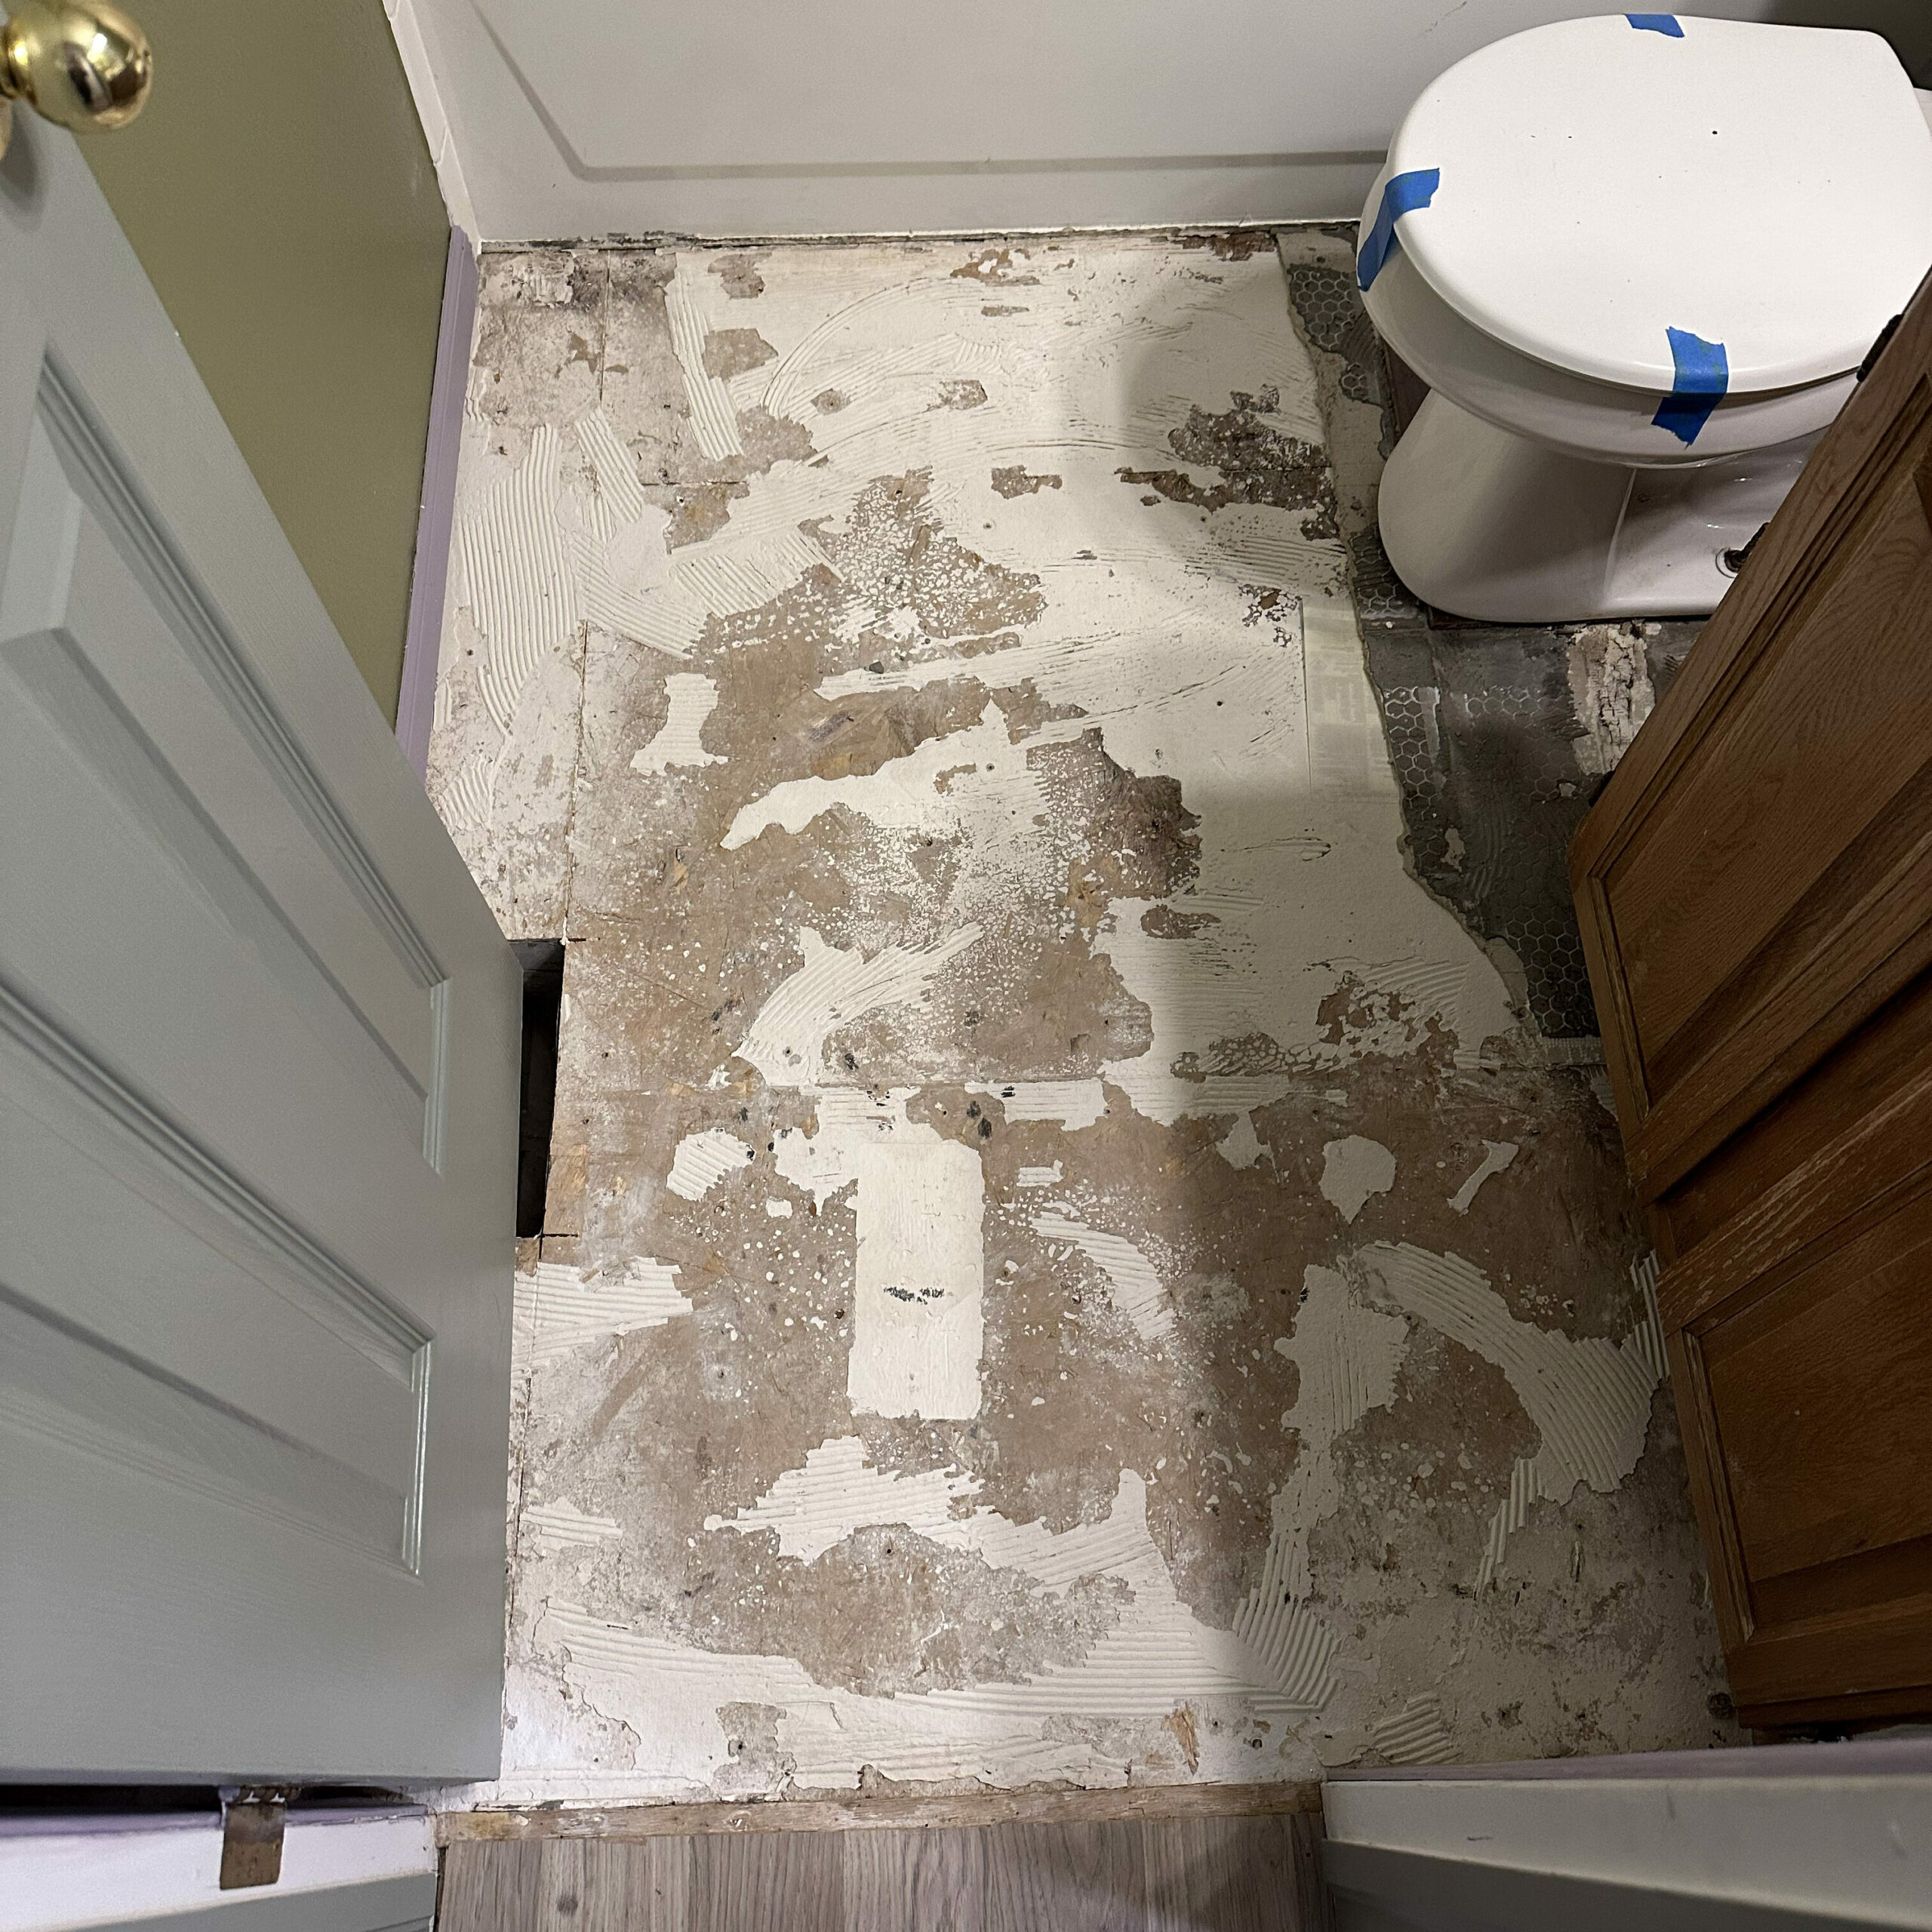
1032	1291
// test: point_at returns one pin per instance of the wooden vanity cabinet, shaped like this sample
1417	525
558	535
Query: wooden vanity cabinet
1755	890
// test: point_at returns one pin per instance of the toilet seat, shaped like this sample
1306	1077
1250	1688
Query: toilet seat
1599	422
1665	203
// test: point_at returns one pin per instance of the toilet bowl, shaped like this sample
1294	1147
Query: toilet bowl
1637	259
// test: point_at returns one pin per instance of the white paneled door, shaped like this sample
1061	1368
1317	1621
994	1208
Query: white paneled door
258	1096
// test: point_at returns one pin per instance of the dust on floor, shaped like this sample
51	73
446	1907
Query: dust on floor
1065	1260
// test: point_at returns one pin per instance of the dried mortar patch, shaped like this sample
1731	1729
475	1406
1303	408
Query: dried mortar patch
987	909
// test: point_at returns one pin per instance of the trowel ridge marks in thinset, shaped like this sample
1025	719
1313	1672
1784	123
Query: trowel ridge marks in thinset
1008	883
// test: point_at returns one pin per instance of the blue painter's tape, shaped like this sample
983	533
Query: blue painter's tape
1666	24
1703	375
1402	194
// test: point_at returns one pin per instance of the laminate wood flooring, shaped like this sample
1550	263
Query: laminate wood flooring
1172	1874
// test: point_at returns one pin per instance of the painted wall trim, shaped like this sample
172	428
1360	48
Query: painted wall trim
968	198
1785	1835
421	650
618	118
1858	1757
342	1870
1377	1889
416	65
381	1905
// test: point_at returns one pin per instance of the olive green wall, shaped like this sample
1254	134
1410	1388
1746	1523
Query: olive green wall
279	194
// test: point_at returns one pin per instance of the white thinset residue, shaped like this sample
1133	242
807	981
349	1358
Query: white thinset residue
748	565
1416	1734
1353	1169
1150	637
569	1309
1347	1355
539	556
1074	1103
779	1210
557	1527
917	1320
1496	1156
1240	1147
919	1198
1279	751
1590	1399
970	782
688	300
1610	692
1649	1336
702	1160
618	537
677	744
536	558
516	566
838	1491
917	1317
1159	1655
834	986
1133	1285
523	1327
1040	1177
667	1696
1272	731
663	599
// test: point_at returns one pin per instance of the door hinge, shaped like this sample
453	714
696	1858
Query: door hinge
252	1819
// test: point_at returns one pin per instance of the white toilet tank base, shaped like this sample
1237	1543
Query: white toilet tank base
1484	525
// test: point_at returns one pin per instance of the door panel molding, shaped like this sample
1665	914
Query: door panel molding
79	1393
88	454
108	485
327	1289
52	674
253	1494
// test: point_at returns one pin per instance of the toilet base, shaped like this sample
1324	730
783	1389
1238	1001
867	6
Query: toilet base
1485	524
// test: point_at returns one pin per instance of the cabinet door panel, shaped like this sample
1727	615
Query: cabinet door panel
1835	707
1823	1458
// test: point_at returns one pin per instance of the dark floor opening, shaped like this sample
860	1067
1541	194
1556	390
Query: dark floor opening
543	960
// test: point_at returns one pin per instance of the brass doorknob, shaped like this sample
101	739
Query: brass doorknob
82	63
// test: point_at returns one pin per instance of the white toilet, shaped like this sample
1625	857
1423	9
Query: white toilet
1637	259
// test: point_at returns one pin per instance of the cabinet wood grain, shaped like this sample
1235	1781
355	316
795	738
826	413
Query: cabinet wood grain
1755	889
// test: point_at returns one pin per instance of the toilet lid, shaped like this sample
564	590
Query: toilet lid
1668	202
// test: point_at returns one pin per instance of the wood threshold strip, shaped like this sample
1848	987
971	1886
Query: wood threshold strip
896	1813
